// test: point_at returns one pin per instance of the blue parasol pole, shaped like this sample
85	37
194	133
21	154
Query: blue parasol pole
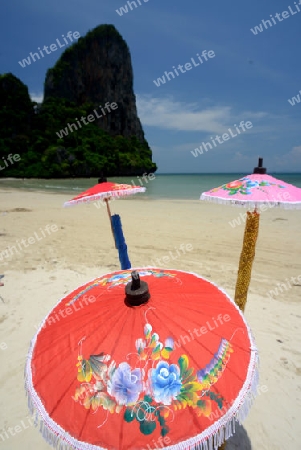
120	242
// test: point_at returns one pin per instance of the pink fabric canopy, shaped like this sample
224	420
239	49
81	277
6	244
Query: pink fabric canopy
253	190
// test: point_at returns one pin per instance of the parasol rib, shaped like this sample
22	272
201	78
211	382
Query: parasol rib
110	217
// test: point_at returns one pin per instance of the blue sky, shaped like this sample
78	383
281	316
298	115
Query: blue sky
250	78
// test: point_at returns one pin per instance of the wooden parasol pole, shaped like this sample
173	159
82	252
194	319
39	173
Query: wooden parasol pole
110	218
246	259
248	251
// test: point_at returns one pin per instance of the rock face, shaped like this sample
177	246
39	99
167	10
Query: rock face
97	69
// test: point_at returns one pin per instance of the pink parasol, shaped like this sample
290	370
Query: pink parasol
253	191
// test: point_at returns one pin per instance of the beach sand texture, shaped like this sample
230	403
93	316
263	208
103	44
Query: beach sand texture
82	248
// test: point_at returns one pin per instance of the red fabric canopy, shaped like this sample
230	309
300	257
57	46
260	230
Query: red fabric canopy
104	190
173	372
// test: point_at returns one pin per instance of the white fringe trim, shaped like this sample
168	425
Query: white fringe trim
250	203
103	195
209	439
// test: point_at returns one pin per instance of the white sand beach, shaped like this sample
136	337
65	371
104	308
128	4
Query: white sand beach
77	246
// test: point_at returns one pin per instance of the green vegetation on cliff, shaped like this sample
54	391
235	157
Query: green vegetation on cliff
30	131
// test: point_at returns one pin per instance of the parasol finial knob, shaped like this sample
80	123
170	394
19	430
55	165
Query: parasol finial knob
261	170
136	291
102	178
135	280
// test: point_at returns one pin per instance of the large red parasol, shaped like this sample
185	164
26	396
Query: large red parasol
171	364
256	191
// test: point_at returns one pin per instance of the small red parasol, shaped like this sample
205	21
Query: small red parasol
105	190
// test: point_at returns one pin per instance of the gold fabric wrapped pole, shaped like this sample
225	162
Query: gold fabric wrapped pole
245	265
246	259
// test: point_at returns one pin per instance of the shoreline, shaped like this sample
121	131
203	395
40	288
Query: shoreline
168	188
136	197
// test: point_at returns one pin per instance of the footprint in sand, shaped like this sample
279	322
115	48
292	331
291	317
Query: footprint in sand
283	361
290	366
21	210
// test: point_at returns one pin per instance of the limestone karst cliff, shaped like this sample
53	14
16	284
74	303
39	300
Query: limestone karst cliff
98	69
53	140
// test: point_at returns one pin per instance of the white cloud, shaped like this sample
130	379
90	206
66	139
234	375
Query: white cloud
295	152
293	155
169	114
250	160
289	160
36	97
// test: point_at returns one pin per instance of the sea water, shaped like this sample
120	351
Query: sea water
162	186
